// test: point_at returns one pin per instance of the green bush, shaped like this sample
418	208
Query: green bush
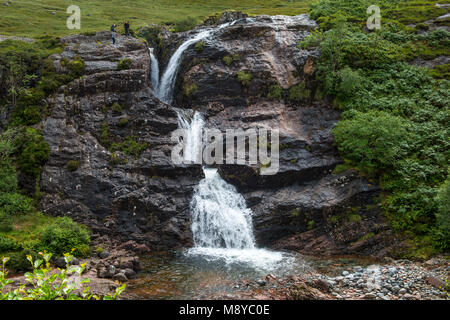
104	135
123	122
129	146
374	139
33	152
73	165
124	64
46	284
394	121
8	244
275	92
443	215
15	204
227	60
18	260
245	78
189	88
63	236
76	68
299	92
6	222
199	46
116	107
186	24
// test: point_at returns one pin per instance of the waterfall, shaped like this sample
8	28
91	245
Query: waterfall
221	222
167	84
168	79
155	71
193	123
220	217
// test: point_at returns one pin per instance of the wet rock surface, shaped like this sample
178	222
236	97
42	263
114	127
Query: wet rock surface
133	197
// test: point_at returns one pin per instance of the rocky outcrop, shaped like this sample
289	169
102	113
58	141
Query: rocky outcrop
249	74
141	197
305	206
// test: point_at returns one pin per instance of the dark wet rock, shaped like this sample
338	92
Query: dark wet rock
110	271
121	277
130	273
75	261
104	254
436	282
133	198
60	262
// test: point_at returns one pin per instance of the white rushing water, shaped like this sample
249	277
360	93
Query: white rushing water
220	217
221	222
155	71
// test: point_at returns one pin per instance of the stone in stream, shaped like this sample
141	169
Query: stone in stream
120	277
435	282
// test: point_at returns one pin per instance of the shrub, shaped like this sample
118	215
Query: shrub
15	204
47	284
104	136
63	236
350	82
299	92
189	88
374	139
123	122
76	68
33	151
124	64
18	260
116	107
6	222
129	146
186	24
199	46
227	60
8	244
275	92
245	78
73	165
443	215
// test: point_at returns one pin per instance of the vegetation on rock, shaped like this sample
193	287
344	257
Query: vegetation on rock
394	125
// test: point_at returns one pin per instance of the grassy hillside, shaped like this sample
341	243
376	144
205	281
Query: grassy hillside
34	18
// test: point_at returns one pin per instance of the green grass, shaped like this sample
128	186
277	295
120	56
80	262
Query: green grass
34	18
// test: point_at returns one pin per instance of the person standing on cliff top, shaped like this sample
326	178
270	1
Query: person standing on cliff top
126	26
113	30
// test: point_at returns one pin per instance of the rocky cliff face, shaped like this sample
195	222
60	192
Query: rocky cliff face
142	198
249	74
